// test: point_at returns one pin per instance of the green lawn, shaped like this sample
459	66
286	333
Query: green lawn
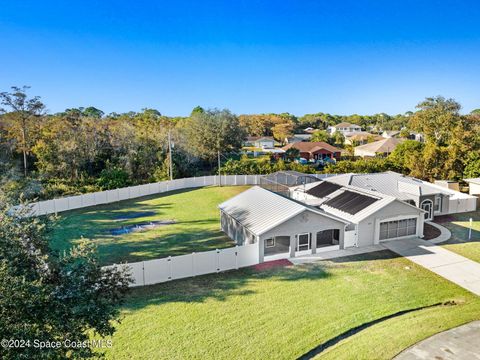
283	313
459	242
197	226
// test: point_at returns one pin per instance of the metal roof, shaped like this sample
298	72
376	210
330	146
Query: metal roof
389	183
260	210
382	200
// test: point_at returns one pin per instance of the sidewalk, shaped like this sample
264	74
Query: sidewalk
456	268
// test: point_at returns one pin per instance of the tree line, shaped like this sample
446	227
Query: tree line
84	149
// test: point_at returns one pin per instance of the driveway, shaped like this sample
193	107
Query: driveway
456	268
458	343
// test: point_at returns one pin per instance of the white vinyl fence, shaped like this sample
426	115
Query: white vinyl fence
111	196
183	266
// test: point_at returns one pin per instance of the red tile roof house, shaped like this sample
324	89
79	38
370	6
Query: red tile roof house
315	150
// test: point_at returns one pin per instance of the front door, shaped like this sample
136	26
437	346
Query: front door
427	205
303	242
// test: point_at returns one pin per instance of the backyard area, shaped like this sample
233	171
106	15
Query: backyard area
459	226
169	224
283	313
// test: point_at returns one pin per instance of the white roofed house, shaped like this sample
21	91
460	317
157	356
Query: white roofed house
279	225
345	128
377	148
434	199
374	217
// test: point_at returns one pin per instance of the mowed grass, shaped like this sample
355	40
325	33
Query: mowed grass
459	242
283	313
195	212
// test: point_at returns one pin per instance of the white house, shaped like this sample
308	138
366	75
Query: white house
474	187
345	128
434	199
260	142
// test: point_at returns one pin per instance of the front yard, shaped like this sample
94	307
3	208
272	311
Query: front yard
284	313
459	225
196	225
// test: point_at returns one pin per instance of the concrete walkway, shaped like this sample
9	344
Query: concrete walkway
456	268
326	255
445	234
454	344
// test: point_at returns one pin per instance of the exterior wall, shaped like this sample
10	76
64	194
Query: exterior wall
265	143
368	231
235	230
318	154
306	222
474	189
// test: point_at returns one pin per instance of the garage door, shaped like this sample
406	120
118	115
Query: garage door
398	228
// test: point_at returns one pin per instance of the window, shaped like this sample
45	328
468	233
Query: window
438	204
270	242
398	228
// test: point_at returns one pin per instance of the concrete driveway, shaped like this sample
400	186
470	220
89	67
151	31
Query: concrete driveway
456	268
454	344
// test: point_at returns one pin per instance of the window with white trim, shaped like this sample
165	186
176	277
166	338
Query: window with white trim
270	242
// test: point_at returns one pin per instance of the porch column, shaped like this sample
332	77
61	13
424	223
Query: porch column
313	242
341	238
293	245
261	249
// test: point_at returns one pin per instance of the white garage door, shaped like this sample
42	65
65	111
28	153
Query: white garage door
398	228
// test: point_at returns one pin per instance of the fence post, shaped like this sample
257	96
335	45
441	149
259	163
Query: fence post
169	268
218	260
236	257
193	264
143	272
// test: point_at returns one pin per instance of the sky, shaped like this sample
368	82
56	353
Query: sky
340	57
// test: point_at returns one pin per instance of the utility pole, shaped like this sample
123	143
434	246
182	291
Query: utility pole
170	167
219	175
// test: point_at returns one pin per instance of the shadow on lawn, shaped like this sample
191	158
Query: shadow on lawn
114	249
218	286
460	232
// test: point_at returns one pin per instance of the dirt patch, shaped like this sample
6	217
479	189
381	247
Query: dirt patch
127	229
272	264
134	215
430	232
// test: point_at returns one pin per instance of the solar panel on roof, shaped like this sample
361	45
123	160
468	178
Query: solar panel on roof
350	202
323	189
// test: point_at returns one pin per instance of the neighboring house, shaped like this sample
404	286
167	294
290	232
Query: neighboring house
299	138
434	199
416	136
361	138
391	134
345	128
377	148
309	130
315	150
260	142
474	188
